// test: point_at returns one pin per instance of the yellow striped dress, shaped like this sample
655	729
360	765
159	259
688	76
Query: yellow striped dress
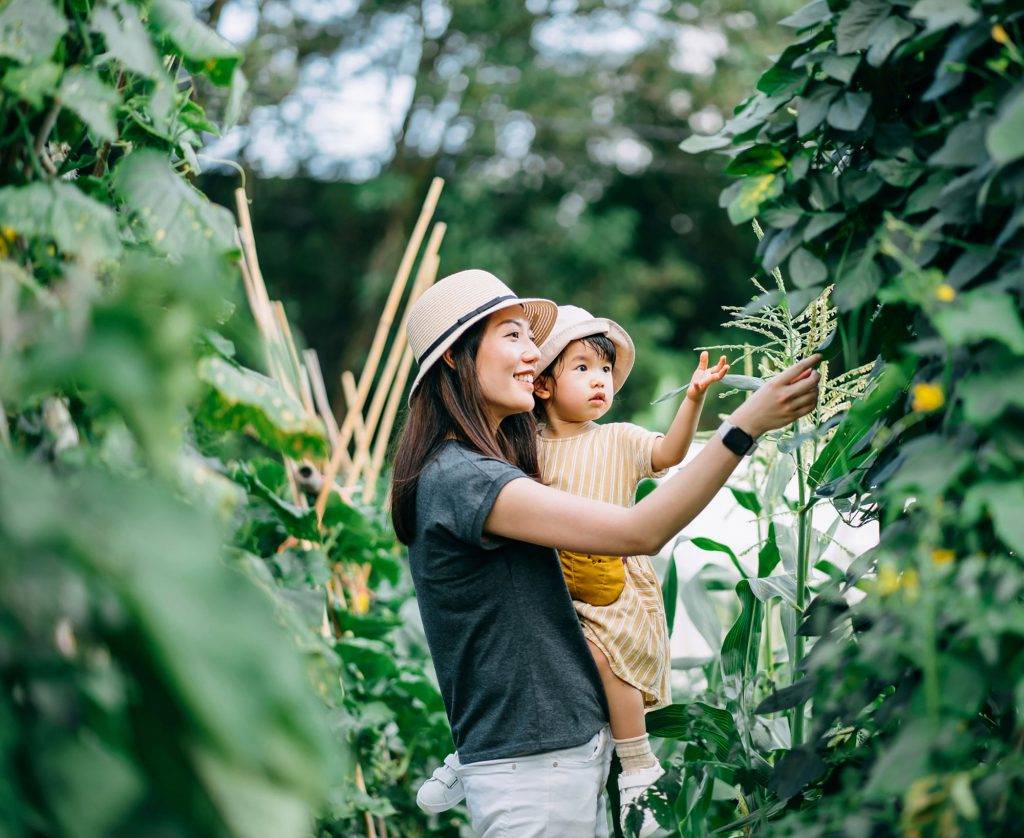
605	462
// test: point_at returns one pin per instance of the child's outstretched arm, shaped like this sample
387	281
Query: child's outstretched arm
671	448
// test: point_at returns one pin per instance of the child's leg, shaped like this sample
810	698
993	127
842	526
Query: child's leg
625	702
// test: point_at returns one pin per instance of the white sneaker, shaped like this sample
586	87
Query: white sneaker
443	789
631	790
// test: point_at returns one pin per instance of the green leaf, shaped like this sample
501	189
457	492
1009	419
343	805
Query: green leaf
806	269
987	394
82	92
206	52
748	500
927	466
696	143
821	222
713	546
964	146
778	78
79	225
901	760
757	160
847	112
236	95
840	67
886	36
240	399
300	523
980	315
769	587
700	608
740	647
940	14
768	556
857	22
753	192
669	589
812	110
30	29
1005	138
796	769
34	82
858	285
814	12
788	697
898	172
1004	502
171	215
127	39
742	382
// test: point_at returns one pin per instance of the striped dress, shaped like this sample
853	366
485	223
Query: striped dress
605	462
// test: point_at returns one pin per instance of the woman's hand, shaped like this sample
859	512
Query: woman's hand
704	377
781	400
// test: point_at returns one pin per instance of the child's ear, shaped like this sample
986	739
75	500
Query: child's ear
542	387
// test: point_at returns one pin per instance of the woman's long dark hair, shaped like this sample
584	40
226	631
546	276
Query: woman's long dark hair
448	404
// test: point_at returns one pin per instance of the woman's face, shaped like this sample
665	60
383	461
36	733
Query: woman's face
506	363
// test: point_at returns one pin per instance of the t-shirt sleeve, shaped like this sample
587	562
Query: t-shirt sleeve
462	491
641	442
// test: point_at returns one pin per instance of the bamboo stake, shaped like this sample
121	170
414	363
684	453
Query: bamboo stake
361	785
323	405
348	386
384	435
383	327
425	276
286	333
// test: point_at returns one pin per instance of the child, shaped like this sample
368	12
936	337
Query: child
585	361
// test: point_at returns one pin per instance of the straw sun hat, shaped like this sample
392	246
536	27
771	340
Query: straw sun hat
449	307
574	323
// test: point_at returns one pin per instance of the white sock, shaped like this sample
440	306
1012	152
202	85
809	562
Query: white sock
635	754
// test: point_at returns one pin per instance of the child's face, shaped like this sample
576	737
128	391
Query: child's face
583	388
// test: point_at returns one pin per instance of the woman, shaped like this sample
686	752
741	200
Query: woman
521	690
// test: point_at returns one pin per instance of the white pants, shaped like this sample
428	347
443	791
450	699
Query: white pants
556	794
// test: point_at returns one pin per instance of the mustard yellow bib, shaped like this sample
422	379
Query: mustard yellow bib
597	580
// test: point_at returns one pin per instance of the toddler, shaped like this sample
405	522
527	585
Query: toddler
584	362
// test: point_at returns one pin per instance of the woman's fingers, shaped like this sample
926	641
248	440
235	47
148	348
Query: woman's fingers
796	371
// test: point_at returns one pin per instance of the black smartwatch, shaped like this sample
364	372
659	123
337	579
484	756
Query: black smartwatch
736	439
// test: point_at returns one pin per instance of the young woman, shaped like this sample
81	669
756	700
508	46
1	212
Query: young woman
523	696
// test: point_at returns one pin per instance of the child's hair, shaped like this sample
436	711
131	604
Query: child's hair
601	344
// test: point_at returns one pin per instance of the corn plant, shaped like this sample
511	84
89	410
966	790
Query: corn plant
882	152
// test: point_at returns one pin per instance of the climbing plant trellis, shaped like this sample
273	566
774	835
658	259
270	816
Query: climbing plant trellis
358	446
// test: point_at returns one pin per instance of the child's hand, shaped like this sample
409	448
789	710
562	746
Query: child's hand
704	377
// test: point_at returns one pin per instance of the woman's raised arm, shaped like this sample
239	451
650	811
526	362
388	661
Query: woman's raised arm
528	511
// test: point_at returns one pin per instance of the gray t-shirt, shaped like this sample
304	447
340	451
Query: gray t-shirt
515	673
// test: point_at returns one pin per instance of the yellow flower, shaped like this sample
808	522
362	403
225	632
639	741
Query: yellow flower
8	235
888	580
1000	35
928	397
943	557
361	602
945	293
910	582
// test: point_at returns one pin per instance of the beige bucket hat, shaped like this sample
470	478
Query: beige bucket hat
574	323
449	307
